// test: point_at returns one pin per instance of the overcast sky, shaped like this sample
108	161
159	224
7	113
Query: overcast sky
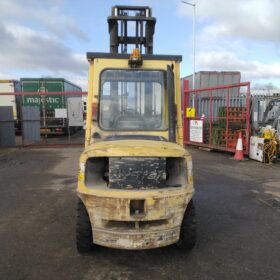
50	38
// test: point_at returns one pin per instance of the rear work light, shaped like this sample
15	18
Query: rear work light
135	59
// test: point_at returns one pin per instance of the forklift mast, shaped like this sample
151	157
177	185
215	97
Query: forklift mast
121	23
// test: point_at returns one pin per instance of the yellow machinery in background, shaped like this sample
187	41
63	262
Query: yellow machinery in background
264	145
270	144
135	182
264	148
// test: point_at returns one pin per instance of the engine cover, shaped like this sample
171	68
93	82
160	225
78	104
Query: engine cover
137	173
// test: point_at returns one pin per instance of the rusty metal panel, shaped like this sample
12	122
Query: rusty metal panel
7	126
137	173
31	123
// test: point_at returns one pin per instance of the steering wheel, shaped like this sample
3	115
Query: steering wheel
129	116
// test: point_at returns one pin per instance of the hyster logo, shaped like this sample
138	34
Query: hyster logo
37	100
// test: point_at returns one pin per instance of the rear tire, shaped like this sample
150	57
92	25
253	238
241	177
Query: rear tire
84	241
188	228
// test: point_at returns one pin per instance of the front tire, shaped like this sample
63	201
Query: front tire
84	239
188	228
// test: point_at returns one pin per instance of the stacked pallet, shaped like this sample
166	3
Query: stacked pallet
236	116
219	137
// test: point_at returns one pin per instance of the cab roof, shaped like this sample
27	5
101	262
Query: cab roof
93	55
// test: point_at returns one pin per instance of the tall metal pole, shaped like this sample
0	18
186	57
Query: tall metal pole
194	37
194	22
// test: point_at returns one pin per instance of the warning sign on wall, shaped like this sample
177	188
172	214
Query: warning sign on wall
190	112
196	131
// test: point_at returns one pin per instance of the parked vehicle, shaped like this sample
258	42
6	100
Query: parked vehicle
58	111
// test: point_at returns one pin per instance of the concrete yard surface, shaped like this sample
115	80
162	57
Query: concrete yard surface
238	225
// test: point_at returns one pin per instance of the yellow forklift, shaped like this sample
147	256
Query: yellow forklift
135	181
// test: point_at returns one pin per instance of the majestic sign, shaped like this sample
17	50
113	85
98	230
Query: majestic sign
32	100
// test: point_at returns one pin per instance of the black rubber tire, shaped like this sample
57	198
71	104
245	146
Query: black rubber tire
188	228
84	241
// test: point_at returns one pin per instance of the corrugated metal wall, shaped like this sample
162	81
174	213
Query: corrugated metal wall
206	79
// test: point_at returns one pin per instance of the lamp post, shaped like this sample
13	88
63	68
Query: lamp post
194	20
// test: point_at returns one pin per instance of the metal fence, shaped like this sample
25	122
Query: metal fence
220	114
46	118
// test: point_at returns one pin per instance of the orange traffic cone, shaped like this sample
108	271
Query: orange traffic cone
239	148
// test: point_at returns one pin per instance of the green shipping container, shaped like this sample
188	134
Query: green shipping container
46	85
48	103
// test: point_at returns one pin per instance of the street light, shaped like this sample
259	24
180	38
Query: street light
194	20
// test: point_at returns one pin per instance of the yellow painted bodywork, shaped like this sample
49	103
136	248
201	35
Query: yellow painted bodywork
164	211
130	148
98	65
109	209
